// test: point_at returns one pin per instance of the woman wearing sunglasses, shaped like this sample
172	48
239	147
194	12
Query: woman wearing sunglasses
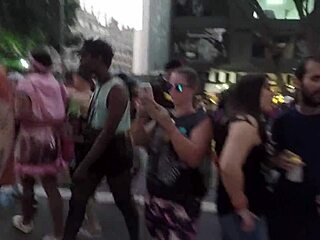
178	145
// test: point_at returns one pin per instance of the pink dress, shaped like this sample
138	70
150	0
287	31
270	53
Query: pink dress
38	147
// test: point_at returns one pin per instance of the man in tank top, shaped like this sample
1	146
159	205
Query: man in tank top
108	153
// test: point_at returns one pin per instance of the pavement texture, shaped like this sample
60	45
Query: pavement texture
112	223
111	220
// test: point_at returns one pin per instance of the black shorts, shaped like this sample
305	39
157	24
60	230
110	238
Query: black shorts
117	158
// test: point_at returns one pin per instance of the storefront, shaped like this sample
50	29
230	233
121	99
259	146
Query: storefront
220	80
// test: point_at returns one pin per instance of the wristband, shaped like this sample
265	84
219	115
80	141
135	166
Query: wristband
240	204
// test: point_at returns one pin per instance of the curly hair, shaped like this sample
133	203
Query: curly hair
99	48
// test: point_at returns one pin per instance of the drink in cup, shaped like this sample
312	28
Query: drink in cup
296	173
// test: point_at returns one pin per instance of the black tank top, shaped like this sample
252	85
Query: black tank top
170	178
255	185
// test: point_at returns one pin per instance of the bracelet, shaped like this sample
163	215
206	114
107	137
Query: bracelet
240	205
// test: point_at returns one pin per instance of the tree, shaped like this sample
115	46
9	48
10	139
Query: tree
26	19
12	46
310	23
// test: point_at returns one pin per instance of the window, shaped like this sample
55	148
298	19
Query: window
285	9
275	2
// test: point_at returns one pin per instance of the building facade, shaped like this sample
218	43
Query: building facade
224	39
152	46
120	38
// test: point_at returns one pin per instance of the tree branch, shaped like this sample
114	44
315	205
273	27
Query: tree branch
299	7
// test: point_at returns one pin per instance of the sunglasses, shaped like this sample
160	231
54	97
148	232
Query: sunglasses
179	87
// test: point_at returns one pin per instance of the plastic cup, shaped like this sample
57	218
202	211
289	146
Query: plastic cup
296	174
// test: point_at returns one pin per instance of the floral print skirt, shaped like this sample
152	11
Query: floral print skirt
167	220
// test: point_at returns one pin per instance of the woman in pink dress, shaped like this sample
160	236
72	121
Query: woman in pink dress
40	110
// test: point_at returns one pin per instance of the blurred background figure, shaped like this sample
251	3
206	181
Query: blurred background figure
133	88
80	87
170	67
7	130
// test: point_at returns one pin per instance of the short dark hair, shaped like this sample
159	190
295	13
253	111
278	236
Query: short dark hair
300	71
42	56
190	75
99	48
224	97
173	64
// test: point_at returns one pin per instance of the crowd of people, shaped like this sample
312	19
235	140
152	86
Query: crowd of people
94	124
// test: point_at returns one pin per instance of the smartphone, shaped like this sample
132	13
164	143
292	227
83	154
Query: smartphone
145	90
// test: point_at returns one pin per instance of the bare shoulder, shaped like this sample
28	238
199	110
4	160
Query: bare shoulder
119	87
117	96
245	130
204	129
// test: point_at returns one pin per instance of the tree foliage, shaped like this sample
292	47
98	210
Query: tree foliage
12	46
37	21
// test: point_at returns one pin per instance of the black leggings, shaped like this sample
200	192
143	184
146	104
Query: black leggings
120	187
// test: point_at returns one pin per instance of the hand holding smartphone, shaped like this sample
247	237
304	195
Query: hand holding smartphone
145	91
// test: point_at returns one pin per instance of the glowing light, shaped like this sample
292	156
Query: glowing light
225	86
222	77
232	77
24	63
212	76
278	99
